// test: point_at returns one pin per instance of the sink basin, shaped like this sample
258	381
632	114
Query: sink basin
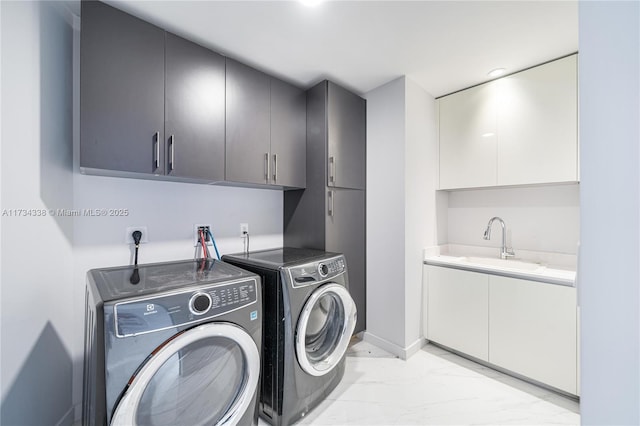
502	263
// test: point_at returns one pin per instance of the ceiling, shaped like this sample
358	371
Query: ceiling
442	45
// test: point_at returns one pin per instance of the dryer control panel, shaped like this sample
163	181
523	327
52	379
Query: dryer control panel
312	273
172	310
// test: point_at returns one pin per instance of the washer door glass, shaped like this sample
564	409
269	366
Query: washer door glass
324	329
204	376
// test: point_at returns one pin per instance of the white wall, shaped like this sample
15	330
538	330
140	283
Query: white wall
609	288
45	259
37	265
402	148
545	218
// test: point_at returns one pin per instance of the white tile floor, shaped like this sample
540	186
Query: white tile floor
435	387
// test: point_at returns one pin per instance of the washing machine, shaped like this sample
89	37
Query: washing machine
174	343
309	317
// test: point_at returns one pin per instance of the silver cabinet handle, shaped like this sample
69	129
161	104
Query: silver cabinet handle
275	168
156	158
172	153
266	164
332	170
331	203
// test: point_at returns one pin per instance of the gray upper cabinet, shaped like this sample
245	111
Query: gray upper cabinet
327	217
194	110
288	135
248	157
347	133
154	105
266	129
121	92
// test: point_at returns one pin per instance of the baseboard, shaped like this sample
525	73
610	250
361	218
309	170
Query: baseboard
413	348
399	351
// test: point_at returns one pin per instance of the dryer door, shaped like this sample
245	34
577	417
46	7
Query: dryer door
206	375
324	329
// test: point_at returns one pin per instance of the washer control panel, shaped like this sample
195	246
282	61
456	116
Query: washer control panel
180	308
315	272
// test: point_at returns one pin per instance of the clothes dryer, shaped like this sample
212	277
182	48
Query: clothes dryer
308	321
178	345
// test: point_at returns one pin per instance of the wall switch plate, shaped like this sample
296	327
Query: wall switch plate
244	229
128	238
196	234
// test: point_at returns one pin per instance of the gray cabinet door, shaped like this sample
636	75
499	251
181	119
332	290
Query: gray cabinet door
194	110
347	139
345	233
288	135
247	124
121	91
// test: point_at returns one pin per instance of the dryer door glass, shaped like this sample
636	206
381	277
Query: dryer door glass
204	376
324	329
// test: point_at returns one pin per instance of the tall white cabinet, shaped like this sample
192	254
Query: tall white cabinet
520	129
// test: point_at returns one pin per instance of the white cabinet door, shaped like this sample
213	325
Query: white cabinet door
457	310
537	124
520	129
468	138
532	330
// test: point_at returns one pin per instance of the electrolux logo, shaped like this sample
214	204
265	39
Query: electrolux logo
151	309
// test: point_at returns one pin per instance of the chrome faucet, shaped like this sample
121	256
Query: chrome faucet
504	251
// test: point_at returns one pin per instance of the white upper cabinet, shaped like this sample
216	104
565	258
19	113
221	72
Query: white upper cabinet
537	116
517	130
468	127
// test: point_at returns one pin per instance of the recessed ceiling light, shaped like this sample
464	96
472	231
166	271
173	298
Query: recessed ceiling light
497	72
310	3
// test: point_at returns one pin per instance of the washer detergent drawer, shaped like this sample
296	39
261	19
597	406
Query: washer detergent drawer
204	375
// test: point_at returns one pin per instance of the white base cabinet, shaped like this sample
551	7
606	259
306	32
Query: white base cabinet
527	327
458	310
532	330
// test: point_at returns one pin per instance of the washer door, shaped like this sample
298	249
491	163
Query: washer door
324	329
206	375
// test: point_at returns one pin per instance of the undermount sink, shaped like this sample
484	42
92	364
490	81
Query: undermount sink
502	263
516	268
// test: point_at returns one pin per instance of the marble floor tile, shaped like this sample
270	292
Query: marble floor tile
435	387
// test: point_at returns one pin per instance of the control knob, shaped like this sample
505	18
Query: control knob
323	270
200	303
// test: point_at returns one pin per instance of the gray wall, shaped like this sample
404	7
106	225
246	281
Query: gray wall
385	212
37	263
401	210
609	287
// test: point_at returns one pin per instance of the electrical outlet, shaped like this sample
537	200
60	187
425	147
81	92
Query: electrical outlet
128	239
244	229
196	234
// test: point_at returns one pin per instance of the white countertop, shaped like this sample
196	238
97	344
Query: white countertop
533	269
